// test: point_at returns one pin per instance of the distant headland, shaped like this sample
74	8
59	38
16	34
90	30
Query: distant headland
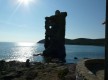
82	41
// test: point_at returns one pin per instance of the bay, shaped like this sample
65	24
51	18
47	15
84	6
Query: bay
21	51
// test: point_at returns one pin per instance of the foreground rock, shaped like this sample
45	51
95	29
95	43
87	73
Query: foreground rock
14	70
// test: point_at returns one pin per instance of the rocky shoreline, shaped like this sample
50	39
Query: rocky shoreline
14	70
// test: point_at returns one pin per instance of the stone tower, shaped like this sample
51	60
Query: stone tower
55	36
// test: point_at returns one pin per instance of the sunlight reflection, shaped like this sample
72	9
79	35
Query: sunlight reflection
22	53
25	44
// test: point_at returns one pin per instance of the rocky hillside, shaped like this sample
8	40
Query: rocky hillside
82	41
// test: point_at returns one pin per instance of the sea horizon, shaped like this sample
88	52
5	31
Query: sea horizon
22	51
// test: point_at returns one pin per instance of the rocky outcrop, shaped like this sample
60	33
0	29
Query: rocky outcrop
37	71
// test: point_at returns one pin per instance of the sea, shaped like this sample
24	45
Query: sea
22	51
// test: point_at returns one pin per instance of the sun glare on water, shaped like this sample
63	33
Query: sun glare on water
25	44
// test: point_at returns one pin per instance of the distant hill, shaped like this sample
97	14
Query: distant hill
82	41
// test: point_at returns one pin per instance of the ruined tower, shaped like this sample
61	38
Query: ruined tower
55	36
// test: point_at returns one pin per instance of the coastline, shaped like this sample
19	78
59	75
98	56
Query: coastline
81	41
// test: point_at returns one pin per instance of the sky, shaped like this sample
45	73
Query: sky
24	20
